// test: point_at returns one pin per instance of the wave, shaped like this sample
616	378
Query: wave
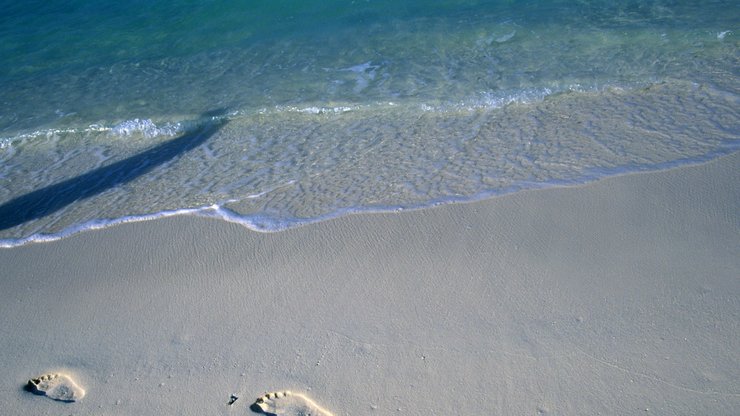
264	223
275	168
169	126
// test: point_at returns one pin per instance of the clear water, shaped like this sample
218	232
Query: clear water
275	114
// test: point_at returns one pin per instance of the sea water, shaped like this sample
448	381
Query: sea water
278	113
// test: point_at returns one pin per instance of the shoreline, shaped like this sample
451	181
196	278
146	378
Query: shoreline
257	223
469	156
611	297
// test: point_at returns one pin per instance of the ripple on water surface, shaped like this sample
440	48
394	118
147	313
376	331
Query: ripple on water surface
288	166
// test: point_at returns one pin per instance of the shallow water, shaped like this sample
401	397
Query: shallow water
292	112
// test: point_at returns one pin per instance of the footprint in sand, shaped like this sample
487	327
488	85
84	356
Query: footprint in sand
57	387
288	404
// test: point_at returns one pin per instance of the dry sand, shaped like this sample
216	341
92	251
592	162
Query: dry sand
619	297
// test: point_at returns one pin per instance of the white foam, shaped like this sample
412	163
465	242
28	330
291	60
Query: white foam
257	223
723	34
362	68
322	110
495	100
145	127
99	224
365	73
53	132
506	37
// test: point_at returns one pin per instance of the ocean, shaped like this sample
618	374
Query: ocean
274	114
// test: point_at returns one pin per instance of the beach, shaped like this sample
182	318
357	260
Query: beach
428	207
616	297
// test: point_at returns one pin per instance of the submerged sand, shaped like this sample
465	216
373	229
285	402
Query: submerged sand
618	297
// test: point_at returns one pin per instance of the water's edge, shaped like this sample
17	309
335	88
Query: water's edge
257	223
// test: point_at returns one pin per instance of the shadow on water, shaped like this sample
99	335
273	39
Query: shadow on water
52	198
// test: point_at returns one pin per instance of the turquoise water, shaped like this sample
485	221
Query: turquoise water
275	114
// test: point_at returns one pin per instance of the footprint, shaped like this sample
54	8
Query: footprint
57	387
288	404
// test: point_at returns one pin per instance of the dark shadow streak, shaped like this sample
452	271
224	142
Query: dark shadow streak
29	388
257	409
47	200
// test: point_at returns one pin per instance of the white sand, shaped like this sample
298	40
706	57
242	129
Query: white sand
613	298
